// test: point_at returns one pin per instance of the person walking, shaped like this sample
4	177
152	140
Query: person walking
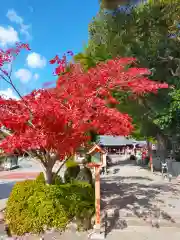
104	163
143	156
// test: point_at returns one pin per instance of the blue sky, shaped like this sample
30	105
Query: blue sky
50	27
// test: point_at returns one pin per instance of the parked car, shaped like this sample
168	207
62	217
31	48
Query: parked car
8	162
11	162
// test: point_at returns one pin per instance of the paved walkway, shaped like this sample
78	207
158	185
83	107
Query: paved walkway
139	205
136	205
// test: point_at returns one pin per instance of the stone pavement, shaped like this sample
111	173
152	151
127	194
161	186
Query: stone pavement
135	204
139	204
135	234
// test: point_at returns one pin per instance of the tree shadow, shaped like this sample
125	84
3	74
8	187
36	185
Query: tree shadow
137	200
135	178
116	170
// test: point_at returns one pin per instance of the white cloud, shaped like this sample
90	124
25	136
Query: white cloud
36	76
14	17
8	36
25	30
24	75
35	60
8	93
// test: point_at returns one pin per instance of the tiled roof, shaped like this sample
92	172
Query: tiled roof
117	141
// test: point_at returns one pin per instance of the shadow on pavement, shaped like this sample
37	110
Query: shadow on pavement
116	170
135	178
5	189
136	199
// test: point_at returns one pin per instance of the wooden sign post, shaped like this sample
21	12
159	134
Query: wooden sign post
96	162
97	198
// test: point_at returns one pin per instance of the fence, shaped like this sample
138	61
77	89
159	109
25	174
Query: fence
173	166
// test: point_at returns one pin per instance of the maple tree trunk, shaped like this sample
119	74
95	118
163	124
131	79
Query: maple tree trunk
59	169
49	175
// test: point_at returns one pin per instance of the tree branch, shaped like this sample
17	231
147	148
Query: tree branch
59	169
20	96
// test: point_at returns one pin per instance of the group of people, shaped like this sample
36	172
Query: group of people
127	150
131	151
136	153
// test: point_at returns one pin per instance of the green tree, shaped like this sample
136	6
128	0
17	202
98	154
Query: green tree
114	4
149	33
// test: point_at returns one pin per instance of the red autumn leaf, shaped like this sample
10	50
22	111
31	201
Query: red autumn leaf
62	117
52	61
112	100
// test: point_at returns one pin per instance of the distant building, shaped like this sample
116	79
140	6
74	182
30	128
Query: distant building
114	144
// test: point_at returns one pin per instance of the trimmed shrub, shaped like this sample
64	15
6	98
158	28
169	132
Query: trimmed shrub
85	175
71	173
57	180
79	199
71	163
33	205
19	213
40	178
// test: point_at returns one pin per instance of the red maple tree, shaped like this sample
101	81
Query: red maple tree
54	123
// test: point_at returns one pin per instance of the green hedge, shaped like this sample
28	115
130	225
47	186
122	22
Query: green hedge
71	173
71	162
33	205
56	179
85	175
40	178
